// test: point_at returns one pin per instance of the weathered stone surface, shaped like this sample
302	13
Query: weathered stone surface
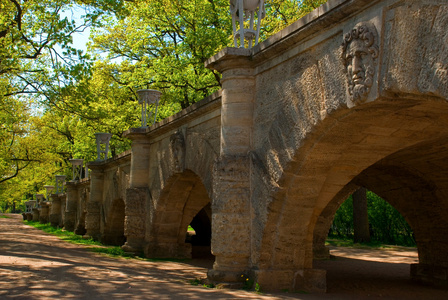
288	138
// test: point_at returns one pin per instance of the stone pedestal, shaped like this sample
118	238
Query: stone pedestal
55	212
430	274
231	221
70	207
44	213
93	221
35	214
93	214
29	216
135	219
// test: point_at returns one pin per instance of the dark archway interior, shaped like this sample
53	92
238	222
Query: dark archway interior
201	239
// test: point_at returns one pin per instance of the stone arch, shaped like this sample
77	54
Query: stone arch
182	198
403	139
113	230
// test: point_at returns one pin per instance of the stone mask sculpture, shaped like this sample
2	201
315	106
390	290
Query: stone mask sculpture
359	53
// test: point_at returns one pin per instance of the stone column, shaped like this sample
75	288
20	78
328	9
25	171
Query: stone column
63	200
138	193
44	211
71	206
55	212
93	213
231	220
35	214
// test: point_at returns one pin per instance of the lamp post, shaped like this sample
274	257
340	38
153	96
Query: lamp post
60	183
77	168
241	11
146	98
102	140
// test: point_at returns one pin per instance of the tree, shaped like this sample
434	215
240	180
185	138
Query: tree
55	97
360	216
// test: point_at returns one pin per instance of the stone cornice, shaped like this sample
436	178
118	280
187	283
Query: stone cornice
114	161
327	15
193	111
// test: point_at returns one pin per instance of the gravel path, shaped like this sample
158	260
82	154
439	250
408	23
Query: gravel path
36	265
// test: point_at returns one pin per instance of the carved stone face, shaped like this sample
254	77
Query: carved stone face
359	53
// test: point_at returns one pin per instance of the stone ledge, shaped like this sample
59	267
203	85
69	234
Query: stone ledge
202	107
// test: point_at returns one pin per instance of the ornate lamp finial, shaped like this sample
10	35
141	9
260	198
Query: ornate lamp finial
102	139
241	11
146	98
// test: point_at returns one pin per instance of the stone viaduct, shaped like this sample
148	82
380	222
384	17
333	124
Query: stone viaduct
353	94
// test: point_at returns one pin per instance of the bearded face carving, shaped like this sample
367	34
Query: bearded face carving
359	54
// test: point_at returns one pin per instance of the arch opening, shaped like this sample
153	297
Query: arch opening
398	149
200	234
183	202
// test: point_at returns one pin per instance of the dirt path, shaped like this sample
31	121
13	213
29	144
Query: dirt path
35	265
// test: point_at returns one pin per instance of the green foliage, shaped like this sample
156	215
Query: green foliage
54	97
387	225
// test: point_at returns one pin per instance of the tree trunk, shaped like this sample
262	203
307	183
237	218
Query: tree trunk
360	217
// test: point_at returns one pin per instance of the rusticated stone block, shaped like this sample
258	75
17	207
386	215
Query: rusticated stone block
136	201
134	226
230	229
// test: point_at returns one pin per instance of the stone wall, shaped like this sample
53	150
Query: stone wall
171	178
105	209
336	95
354	94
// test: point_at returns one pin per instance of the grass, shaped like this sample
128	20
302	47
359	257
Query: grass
4	217
62	234
94	246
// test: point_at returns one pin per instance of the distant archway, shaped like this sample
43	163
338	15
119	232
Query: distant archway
183	201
